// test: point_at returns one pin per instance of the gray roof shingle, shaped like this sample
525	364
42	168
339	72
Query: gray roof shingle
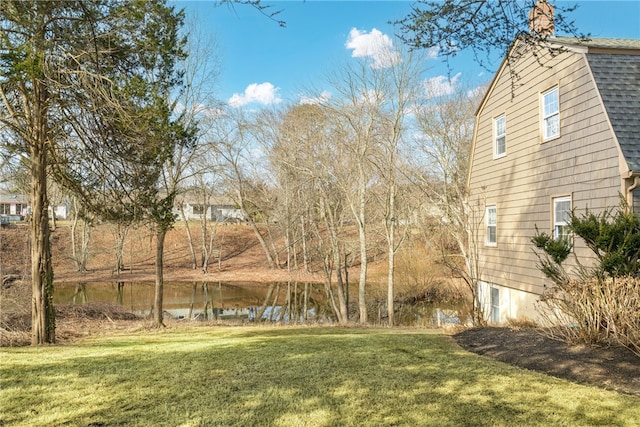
615	64
598	43
618	80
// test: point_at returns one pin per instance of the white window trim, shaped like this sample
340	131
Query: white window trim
544	115
487	225
497	155
555	200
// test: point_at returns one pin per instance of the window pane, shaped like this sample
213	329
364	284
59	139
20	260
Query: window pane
491	234
563	211
561	231
500	137
550	113
500	126
551	126
491	216
561	217
501	145
491	224
551	102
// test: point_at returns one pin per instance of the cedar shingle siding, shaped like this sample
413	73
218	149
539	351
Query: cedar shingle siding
591	161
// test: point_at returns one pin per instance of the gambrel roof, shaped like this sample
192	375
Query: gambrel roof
615	64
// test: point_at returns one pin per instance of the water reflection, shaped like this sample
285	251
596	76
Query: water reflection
278	302
287	302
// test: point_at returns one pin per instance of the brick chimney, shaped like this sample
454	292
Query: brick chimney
541	18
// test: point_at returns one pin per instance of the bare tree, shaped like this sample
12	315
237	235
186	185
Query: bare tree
400	85
270	132
234	149
446	122
180	202
186	143
307	158
357	110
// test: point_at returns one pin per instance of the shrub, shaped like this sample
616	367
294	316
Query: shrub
595	311
602	304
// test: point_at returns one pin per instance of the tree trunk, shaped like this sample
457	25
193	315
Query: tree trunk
84	246
192	251
342	301
157	305
204	249
43	323
335	260
391	254
79	255
328	273
262	242
362	303
121	237
74	228
305	256
53	218
391	251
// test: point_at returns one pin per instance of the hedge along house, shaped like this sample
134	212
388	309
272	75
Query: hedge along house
565	136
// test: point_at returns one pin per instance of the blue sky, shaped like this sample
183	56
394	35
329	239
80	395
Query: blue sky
263	64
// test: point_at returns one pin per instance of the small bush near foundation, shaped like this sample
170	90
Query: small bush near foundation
596	311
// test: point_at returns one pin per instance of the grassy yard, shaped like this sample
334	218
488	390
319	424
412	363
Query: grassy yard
288	376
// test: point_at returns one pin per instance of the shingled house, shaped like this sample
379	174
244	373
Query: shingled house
565	135
13	207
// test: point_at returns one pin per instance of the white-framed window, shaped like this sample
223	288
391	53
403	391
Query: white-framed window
500	139
561	217
492	226
495	305
550	114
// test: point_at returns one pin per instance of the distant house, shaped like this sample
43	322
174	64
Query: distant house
566	136
215	209
62	210
14	207
17	207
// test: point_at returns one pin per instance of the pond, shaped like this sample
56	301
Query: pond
287	302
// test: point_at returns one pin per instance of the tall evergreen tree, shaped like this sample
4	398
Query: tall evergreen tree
83	90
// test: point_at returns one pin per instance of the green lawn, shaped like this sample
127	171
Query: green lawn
288	376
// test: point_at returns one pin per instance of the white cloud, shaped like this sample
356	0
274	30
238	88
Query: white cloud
320	99
262	93
477	91
441	85
374	45
432	53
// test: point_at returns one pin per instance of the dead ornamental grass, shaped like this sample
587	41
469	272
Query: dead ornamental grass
285	376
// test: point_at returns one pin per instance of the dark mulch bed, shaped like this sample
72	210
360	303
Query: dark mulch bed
614	368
